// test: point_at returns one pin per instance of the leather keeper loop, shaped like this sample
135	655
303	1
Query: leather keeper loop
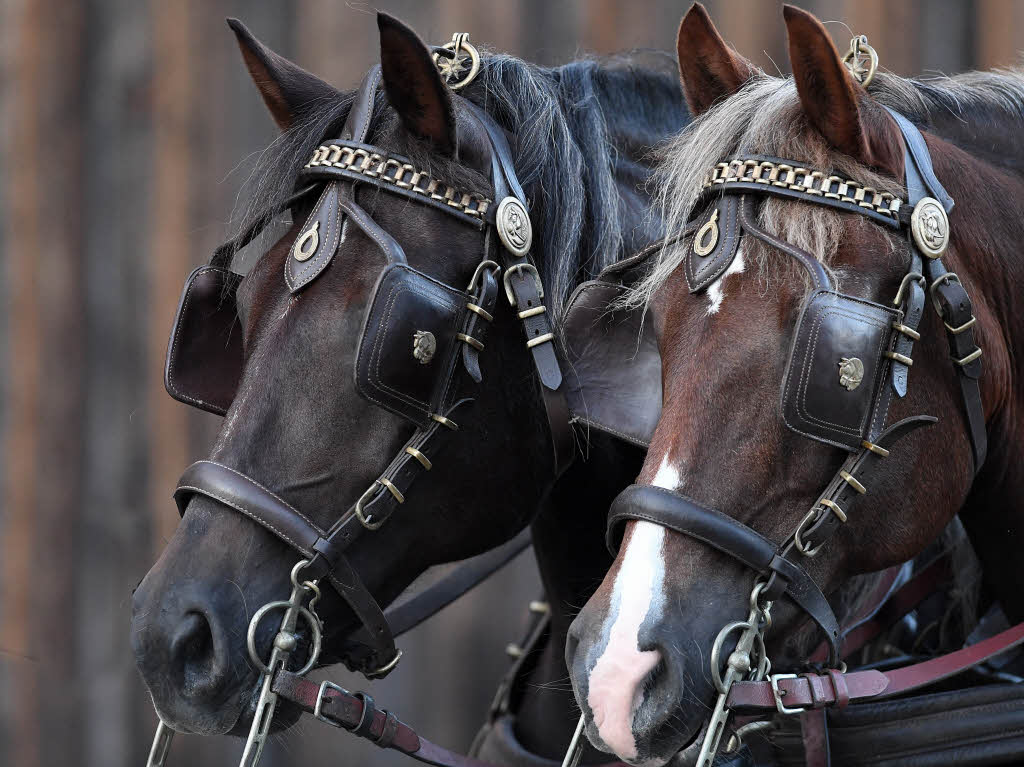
387	734
363	729
840	687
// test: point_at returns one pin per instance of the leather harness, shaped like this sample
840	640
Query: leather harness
886	336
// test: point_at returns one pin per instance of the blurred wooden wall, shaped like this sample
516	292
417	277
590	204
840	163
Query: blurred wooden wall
126	131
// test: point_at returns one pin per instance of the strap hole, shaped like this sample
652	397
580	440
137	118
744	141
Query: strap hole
529	302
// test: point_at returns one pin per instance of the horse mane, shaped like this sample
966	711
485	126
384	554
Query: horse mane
765	117
576	131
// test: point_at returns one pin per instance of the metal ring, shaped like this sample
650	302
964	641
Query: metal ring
386	668
314	624
859	46
716	651
907	278
449	68
960	328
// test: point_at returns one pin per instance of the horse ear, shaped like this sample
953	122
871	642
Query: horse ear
834	103
287	89
414	86
710	70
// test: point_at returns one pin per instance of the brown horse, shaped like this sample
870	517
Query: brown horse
579	137
639	651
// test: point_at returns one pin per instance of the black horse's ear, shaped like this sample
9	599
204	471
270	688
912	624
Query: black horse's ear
414	86
710	70
287	89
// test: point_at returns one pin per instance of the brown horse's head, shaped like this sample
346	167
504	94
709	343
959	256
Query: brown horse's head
639	651
299	426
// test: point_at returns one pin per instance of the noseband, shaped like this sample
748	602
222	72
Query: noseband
870	345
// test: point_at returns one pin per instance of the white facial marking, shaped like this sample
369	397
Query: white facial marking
667	475
715	292
616	681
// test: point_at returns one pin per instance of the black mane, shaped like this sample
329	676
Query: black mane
577	132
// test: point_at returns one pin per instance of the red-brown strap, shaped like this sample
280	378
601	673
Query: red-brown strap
797	692
357	713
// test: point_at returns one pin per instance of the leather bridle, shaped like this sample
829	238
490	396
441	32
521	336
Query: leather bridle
747	684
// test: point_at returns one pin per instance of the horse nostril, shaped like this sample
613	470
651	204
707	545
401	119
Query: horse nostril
195	655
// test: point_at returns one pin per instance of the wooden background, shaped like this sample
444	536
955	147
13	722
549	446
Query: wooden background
126	130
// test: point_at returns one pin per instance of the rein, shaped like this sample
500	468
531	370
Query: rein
872	345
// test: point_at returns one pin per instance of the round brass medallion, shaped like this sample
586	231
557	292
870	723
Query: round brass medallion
929	226
514	226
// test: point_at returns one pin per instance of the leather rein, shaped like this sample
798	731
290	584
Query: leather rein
746	685
374	653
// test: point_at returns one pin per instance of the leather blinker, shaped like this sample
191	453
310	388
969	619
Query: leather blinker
836	367
316	243
409	343
714	244
204	355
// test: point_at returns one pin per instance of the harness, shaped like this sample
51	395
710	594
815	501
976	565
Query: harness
849	358
418	331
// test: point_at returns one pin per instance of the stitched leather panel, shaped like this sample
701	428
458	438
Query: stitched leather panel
204	354
316	243
836	367
718	229
408	344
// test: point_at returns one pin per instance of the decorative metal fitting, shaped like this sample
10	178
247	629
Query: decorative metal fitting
854	59
514	228
707	236
387	668
451	67
423	346
853	482
306	245
929	225
851	372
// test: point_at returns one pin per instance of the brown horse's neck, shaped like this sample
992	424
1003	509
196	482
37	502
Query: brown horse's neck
988	229
568	541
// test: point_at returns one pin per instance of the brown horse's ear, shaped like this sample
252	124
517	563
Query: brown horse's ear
710	70
287	89
414	86
836	105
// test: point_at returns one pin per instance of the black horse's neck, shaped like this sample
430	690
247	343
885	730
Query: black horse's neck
568	541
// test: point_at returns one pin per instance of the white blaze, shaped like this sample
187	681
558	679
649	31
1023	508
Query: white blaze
616	681
715	292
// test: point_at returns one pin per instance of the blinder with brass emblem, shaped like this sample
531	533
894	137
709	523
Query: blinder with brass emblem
929	226
514	227
851	372
423	346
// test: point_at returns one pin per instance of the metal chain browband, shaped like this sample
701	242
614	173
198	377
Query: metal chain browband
753	172
358	160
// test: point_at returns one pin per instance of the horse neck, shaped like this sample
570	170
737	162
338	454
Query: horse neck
568	542
989	227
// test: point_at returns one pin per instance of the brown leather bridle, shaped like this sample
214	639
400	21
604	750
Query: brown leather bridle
747	686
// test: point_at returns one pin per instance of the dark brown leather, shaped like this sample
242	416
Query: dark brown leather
613	370
814	730
327	220
701	271
358	123
476	325
406	303
204	355
246	496
834	327
686	516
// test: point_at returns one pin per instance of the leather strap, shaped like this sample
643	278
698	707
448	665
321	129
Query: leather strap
684	515
920	175
814	731
871	684
246	496
748	218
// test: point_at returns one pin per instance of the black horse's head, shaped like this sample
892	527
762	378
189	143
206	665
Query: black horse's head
361	370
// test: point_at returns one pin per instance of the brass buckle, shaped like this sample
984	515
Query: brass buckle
366	521
485	264
777	693
318	708
524	266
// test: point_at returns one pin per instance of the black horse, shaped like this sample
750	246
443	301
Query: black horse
298	423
